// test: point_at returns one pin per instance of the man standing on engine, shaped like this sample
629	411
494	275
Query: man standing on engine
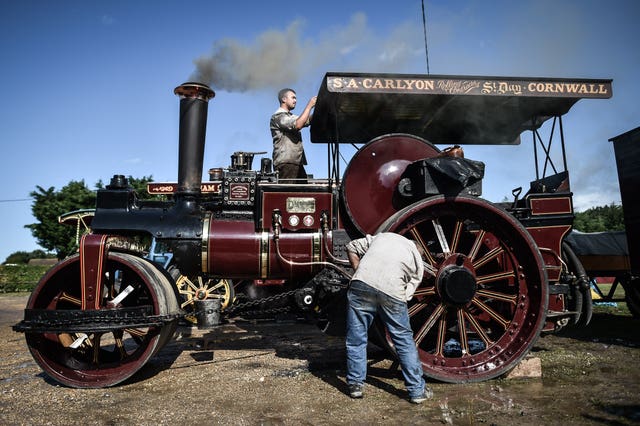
388	269
288	153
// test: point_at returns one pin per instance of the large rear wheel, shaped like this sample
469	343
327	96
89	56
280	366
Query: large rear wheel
482	302
101	358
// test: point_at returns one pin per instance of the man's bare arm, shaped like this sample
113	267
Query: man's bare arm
354	259
306	114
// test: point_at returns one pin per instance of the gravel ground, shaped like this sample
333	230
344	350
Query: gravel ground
289	373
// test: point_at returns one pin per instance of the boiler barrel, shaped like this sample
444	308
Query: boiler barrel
233	249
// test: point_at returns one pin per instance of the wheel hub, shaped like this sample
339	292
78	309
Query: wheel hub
456	285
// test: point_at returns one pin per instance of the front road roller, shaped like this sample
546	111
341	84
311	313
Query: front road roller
135	313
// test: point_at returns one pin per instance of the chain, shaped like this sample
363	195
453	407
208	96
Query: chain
258	302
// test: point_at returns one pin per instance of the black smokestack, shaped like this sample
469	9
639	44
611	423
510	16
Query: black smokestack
194	102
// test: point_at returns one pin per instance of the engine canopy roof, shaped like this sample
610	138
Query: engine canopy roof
356	107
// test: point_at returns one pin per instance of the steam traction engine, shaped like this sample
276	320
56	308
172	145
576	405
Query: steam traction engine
497	275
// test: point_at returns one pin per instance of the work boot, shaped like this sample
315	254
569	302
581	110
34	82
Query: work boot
355	390
427	393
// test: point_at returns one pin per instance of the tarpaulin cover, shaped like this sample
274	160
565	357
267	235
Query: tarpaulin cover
461	170
613	243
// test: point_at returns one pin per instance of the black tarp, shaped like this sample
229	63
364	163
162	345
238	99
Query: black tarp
613	243
460	170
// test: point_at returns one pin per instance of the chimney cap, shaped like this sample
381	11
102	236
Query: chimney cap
194	90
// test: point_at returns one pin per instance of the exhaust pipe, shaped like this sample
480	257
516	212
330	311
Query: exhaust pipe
194	102
181	226
187	225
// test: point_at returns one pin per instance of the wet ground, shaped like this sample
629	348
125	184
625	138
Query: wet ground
290	373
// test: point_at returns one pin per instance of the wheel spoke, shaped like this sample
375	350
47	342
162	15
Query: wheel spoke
66	297
191	284
95	342
430	269
217	286
457	233
80	339
65	339
442	330
117	336
440	309
137	332
120	297
478	329
511	298
417	307
493	314
489	256
476	245
462	332
441	237
416	235
425	291
495	277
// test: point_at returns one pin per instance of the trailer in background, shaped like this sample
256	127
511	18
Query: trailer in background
617	254
627	149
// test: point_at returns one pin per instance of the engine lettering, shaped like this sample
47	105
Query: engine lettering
171	188
239	191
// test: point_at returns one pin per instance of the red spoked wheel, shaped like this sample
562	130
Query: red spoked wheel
101	359
483	299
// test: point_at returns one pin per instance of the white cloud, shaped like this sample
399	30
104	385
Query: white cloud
586	200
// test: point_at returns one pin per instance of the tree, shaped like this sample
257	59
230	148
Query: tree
49	204
600	219
23	257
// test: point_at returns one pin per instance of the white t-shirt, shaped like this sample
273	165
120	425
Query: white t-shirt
388	262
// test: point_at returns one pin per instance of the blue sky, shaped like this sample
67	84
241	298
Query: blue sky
88	86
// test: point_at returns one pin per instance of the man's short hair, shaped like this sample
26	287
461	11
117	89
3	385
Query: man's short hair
283	92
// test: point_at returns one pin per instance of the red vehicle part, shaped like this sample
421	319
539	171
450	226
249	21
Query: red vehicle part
235	250
482	303
373	174
97	359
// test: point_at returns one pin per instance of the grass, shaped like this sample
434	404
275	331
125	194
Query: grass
20	278
605	306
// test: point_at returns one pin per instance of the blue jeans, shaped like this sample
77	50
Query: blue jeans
364	302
